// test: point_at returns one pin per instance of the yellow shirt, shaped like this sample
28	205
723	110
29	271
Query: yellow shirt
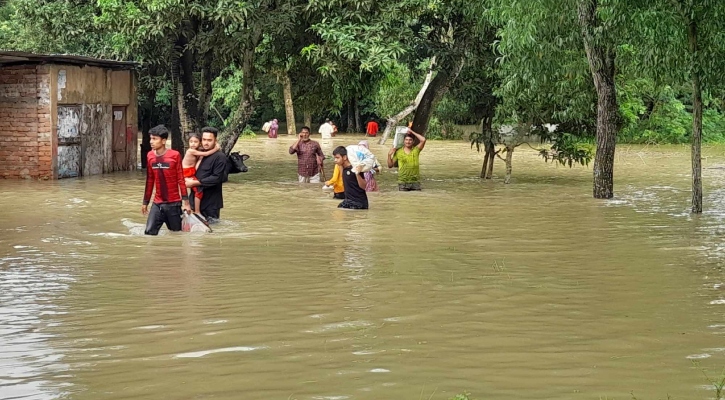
336	181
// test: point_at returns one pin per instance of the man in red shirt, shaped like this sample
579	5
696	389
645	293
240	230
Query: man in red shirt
164	171
372	128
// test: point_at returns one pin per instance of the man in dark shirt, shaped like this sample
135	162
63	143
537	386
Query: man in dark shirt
210	175
353	180
164	173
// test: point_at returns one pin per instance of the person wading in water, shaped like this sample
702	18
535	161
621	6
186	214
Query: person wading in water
165	173
309	157
352	178
408	159
211	173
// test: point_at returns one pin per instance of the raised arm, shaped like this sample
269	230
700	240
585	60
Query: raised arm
391	157
421	139
360	178
295	147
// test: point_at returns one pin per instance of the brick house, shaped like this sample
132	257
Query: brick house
65	116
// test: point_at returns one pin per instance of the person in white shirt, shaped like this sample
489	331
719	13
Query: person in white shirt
326	130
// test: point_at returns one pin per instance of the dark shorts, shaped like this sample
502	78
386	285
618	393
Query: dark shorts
164	213
407	187
352	205
339	196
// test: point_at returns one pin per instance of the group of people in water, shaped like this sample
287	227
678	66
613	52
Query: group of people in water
193	184
326	130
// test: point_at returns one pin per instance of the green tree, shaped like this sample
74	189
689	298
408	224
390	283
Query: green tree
681	40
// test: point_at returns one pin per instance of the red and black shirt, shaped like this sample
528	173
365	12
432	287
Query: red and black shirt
165	172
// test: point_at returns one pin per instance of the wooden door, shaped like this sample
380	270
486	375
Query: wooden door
119	139
69	142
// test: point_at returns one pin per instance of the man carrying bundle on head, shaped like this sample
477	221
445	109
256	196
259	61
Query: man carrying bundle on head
352	178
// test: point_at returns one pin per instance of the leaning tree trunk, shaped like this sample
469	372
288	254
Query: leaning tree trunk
246	105
601	59
358	125
288	105
308	119
435	91
393	121
696	121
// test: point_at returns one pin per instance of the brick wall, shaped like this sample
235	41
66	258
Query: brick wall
26	149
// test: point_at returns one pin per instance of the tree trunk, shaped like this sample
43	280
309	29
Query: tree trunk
146	116
246	105
601	57
489	148
435	91
509	159
188	103
288	105
491	156
358	125
205	90
696	121
484	168
308	119
177	140
350	117
393	121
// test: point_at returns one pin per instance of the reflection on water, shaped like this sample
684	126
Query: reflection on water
528	290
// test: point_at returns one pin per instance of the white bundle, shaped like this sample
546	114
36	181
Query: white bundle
193	223
359	155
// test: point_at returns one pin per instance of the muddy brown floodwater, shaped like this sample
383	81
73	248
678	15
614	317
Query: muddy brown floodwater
528	290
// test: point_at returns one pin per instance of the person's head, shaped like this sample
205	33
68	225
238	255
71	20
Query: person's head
158	136
364	143
340	155
194	141
327	120
274	120
208	137
305	133
409	141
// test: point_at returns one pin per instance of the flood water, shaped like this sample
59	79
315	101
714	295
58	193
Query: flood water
531	290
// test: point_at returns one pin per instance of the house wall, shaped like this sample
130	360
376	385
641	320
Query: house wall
30	96
25	122
94	91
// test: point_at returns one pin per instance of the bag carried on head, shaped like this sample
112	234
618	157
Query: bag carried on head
359	155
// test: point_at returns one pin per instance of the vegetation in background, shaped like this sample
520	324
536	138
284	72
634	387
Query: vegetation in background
601	71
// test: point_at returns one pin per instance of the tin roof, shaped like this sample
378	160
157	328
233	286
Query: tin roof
20	57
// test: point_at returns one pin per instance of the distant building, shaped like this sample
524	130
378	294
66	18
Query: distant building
65	116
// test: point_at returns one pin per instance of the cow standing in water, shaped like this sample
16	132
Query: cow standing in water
236	163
